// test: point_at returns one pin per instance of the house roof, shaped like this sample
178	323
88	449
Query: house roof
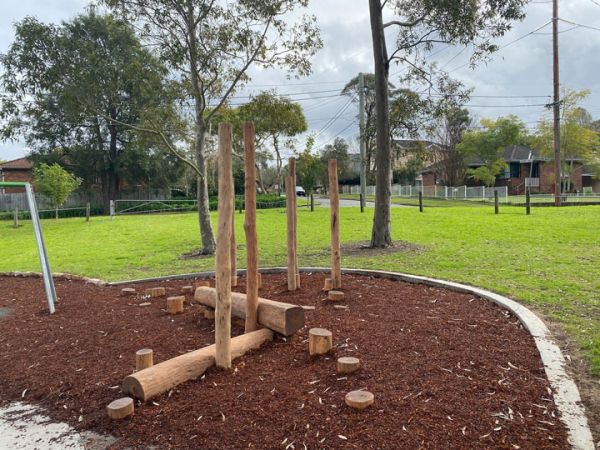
17	164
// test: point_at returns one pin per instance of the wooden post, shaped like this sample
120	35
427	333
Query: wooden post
175	304
16	218
320	341
144	358
496	202
252	283
87	212
292	171
223	257
291	248
312	203
527	202
234	278
420	201
334	201
362	203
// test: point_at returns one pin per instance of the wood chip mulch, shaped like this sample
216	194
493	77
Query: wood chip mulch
448	370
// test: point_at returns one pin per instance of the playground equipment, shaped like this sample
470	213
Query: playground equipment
39	238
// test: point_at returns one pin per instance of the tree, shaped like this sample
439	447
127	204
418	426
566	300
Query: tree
309	168
448	129
421	24
210	46
67	85
578	138
487	146
338	151
55	183
277	120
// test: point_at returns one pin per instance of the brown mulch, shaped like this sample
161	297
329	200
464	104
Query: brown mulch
448	370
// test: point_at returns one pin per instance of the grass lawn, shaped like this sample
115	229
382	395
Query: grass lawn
550	260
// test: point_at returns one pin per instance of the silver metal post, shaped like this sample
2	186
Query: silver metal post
37	228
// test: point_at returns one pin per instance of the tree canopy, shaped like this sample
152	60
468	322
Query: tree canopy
55	183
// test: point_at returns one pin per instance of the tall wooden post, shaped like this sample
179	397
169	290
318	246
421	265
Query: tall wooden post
16	218
250	229
334	202
234	280
88	211
420	201
527	202
312	203
292	171
223	258
291	233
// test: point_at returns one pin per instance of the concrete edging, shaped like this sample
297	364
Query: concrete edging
566	396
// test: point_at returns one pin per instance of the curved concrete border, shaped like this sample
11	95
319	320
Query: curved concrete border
566	394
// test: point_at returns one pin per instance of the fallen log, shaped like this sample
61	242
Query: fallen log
162	377
282	318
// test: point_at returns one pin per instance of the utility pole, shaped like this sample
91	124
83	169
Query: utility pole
556	105
363	143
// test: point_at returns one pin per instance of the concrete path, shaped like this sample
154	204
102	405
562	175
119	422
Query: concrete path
25	427
345	203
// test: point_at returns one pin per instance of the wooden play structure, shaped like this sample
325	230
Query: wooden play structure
262	317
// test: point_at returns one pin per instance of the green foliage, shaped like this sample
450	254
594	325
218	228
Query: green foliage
338	150
487	174
54	182
73	91
309	170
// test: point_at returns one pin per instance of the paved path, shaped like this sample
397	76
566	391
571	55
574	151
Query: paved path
345	203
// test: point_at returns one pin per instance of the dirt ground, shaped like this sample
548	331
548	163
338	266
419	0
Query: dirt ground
448	370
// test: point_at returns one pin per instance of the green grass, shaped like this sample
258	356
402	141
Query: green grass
550	260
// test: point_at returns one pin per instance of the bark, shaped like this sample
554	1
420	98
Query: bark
381	234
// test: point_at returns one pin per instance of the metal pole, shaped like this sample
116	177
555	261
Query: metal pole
37	228
496	202
420	201
363	143
556	105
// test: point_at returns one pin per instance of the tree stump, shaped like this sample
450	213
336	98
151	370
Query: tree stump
120	408
127	291
175	305
335	296
327	286
209	314
144	358
320	341
187	290
156	292
347	364
359	399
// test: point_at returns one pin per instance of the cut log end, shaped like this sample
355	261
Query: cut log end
156	292
359	399
202	283
127	291
348	364
175	305
335	296
187	290
320	341
327	285
120	408
144	358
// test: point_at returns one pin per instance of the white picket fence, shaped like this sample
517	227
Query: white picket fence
442	192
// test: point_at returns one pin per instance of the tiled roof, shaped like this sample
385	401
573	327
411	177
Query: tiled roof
17	164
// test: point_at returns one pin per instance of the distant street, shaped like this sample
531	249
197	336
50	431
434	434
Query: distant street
344	203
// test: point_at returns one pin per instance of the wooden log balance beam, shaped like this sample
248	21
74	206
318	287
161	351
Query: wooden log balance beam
161	378
283	318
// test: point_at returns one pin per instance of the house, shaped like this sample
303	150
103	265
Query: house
525	168
591	180
16	170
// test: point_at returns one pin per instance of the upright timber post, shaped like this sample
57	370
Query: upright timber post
363	141
496	202
334	201
292	170
420	201
250	229
223	257
527	202
16	218
88	210
312	203
291	234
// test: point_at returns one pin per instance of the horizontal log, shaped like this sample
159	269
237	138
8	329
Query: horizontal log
160	378
283	318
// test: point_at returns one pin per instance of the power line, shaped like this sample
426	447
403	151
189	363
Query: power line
589	27
337	135
336	117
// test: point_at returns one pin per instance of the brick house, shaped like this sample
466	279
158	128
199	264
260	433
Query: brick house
525	168
16	170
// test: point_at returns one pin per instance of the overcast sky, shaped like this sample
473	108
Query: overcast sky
521	70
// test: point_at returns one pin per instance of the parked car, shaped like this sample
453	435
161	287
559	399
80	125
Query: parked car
300	191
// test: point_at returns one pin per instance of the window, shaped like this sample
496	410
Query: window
515	170
535	170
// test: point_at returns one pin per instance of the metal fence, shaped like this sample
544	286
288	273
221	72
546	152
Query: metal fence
482	193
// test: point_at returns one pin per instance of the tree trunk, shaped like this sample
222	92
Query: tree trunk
381	234
206	231
278	165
